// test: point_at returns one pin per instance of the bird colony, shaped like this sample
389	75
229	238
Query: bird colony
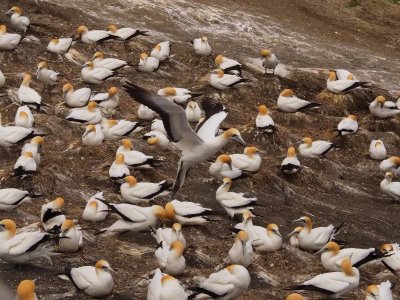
189	123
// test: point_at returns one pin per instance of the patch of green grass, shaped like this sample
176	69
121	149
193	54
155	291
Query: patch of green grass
353	3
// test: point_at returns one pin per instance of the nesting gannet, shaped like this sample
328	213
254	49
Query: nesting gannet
195	147
334	284
392	258
27	95
51	215
383	109
177	95
126	33
228	283
93	135
332	256
170	258
229	66
148	63
60	45
156	140
222	81
45	75
76	98
193	112
314	239
12	135
94	281
233	203
11	198
269	60
381	291
338	86
2	79
241	252
117	129
222	168
249	161
35	147
118	169
25	165
145	113
8	41
95	210
158	125
107	100
109	63
94	36
288	102
161	51
294	236
290	164
187	213
70	237
391	164
165	287
26	290
134	218
89	114
389	187
135	192
93	75
24	117
377	150
343	74
18	21
347	126
264	121
314	149
295	296
135	158
201	46
169	235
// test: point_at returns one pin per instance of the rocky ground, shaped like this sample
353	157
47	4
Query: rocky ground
342	187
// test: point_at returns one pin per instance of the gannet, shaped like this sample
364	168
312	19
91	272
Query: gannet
158	125
233	203
94	281
165	287
334	284
107	100
377	150
314	149
294	236
95	210
25	165
269	60
93	135
215	112
24	117
389	187
51	215
227	284
249	161
229	66
161	51
45	75
110	63
27	95
264	121
156	140
343	74
12	135
60	45
392	258
177	95
169	235
11	198
222	168
314	239
381	291
19	22
145	113
76	98
93	75
288	102
35	147
8	41
2	79
338	86
136	192
383	109
126	33
90	114
135	158
170	258
148	63
241	252
187	213
201	46
193	112
94	36
118	170
195	147
70	237
117	129
26	290
347	126
222	81
391	164
290	164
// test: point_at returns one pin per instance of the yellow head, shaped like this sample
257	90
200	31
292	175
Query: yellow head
177	227
159	212
3	29
131	180
55	41
10	226
389	176
169	211
90	128
350	77
381	100
120	159
157	47
230	133
16	10
220	73
373	290
295	296
166	278
385	248
352	117
93	203
37	140
23	115
287	93
378	143
273	228
112	28
347	267
224	158
192	104
204	39
89	64
102	265
246	216
27	79
263	110
144	56
170	91
242	236
127	143
98	55
218	59
43	65
58	202
333	247
227	181
308	141
112	91
28	154
395	160
332	76
82	29
153	140
265	52
26	290
178	247
291	152
91	106
67	224
67	88
250	151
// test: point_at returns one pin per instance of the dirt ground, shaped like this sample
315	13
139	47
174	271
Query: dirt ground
311	37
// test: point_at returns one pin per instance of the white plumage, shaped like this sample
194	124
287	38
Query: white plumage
229	66
383	109
11	198
289	102
177	95
201	46
109	63
241	252
158	125
117	129
51	214
264	121
95	210
93	135
118	169
377	150
193	112
25	165
157	141
290	164
222	81
19	22
148	63
90	114
186	212
8	41
348	125
27	95
169	235
389	187
93	75
170	258
107	100
60	45
76	98
24	117
249	161
135	192
391	164
70	237
94	36
382	291
161	51
135	158
315	149
145	113
45	75
222	168
165	287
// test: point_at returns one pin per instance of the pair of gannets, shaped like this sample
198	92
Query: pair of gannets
222	81
27	95
264	121
289	102
95	210
383	109
24	117
134	158
290	164
201	46
177	95
12	135
157	141
269	60
11	198
8	41
136	192
45	75
170	257
377	150
229	66
315	149
165	287
89	114
35	147
390	187
342	81
52	216
222	167
95	75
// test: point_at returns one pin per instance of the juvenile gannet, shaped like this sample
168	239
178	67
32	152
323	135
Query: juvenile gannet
290	164
93	135
35	147
161	51
249	161
76	98
169	235
24	117
177	95
90	114
12	135
8	41
93	75
264	121
170	258
156	140
187	213
148	63
51	215
241	252
25	165
126	33
60	45
135	192
381	291
347	126
389	187
145	113
117	129
26	290
222	81
118	169
392	258
70	237
193	112
229	66
45	75
201	46
377	150
11	198
288	102
135	158
19	22
95	210
27	95
109	63
294	236
158	125
94	36
94	281
222	168
391	164
269	60
165	287
383	109
194	148
343	85
314	149
107	100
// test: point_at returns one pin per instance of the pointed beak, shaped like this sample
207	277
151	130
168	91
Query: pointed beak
279	234
86	133
230	166
111	269
9	13
240	140
297	221
291	234
320	251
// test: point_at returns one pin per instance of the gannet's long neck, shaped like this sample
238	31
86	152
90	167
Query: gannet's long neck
217	143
